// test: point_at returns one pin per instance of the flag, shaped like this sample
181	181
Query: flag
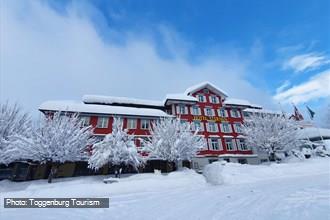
297	115
310	112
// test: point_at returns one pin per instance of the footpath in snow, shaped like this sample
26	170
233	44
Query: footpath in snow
299	190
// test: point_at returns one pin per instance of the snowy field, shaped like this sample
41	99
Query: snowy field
297	190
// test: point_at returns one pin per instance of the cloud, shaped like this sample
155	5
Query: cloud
285	85
305	62
50	55
315	88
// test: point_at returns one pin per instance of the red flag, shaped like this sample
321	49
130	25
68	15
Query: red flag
297	115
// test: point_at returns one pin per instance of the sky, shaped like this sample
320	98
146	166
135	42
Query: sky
272	53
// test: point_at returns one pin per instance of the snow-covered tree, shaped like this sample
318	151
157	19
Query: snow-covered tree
173	140
274	134
117	148
15	131
59	138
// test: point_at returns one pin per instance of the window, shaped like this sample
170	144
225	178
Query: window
195	110
214	99
84	121
238	127
184	122
145	124
229	144
201	98
209	112
212	127
214	144
225	127
197	125
102	122
235	113
242	145
131	123
181	110
222	112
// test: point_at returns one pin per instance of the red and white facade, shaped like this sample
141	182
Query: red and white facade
207	107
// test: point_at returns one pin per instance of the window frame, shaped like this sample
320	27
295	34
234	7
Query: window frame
130	120
84	122
223	127
104	123
229	141
217	143
216	129
141	124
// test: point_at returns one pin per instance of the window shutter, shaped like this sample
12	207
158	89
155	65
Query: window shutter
213	113
186	110
239	113
202	126
235	145
199	111
177	110
230	128
217	98
209	143
221	127
220	144
207	126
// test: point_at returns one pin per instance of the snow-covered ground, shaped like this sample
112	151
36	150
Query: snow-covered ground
297	190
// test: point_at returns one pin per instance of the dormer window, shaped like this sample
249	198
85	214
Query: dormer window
206	91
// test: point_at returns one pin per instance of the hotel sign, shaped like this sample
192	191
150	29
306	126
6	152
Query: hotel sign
210	118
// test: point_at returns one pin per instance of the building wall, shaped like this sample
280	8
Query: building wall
189	117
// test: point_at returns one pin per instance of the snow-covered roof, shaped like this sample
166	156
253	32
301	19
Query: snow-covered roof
265	111
208	85
71	106
99	99
240	102
312	132
180	97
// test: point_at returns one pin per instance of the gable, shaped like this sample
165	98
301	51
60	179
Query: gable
206	85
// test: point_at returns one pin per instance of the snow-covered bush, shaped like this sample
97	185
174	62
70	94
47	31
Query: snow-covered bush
271	133
212	173
173	141
15	132
59	138
117	148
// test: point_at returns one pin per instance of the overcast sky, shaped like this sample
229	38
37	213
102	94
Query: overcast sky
61	50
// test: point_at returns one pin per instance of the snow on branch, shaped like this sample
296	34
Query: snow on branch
271	133
117	148
59	138
173	140
15	131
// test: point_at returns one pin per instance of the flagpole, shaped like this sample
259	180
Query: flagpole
283	113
